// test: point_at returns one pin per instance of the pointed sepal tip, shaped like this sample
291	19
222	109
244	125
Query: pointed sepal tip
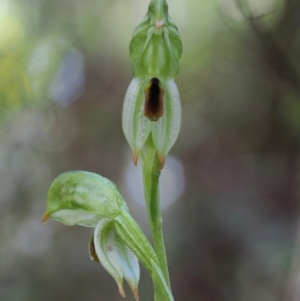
121	290
45	217
136	158
135	293
162	160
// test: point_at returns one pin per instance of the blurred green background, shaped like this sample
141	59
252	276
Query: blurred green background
230	185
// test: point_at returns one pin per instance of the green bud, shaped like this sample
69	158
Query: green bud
151	106
116	257
83	198
156	48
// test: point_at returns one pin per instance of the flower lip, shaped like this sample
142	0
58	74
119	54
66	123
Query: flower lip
154	100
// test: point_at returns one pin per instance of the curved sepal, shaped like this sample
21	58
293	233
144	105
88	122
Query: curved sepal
165	131
83	198
135	126
116	257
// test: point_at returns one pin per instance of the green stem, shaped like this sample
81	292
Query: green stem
151	173
137	242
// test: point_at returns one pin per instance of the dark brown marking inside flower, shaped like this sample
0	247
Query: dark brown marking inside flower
92	250
154	104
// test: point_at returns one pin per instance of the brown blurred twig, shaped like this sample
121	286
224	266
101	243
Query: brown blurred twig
275	55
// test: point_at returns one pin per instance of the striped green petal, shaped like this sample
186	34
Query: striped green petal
136	126
116	257
165	131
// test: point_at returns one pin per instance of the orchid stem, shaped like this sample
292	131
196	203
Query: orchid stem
151	174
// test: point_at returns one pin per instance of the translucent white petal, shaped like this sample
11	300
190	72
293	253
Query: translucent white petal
72	217
116	257
106	250
136	126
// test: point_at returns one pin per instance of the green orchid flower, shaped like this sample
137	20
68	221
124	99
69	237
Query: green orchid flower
151	122
152	101
151	107
87	199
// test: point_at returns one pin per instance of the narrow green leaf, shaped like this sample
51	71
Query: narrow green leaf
135	239
161	289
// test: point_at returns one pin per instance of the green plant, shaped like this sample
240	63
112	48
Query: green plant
151	123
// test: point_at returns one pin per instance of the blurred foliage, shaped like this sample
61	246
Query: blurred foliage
64	69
